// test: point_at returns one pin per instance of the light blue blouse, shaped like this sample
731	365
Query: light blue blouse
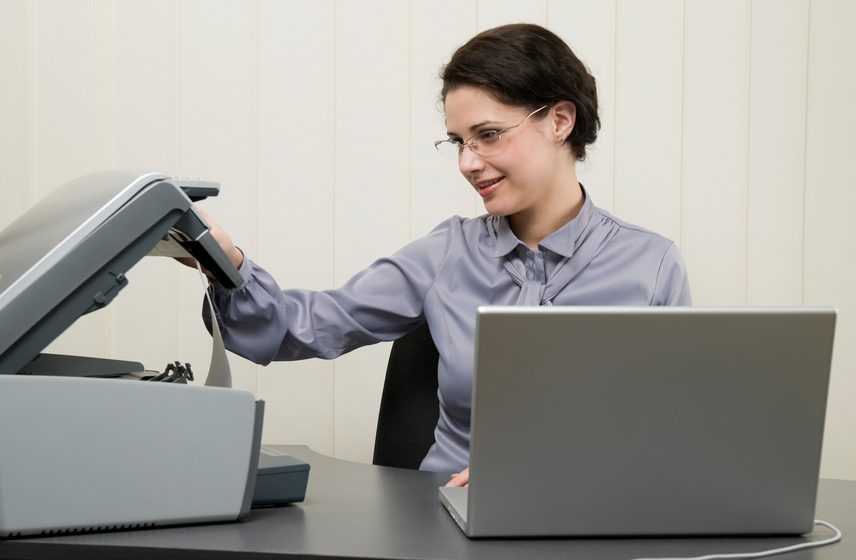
595	259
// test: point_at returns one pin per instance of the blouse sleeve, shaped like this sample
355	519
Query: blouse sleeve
262	323
673	285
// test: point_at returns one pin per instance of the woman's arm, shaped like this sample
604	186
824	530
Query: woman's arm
382	303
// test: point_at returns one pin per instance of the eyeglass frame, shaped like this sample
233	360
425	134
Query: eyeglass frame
468	140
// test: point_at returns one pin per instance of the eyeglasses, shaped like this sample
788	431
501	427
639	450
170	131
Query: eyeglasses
482	143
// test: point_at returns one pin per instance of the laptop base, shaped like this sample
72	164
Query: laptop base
454	498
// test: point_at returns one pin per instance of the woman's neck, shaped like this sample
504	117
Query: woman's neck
533	225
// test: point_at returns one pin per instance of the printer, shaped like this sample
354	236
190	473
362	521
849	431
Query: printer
79	449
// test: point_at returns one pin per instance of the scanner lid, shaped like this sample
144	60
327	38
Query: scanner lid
68	254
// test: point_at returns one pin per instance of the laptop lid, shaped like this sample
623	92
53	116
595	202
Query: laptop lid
647	421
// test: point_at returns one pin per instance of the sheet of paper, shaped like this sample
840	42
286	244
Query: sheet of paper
219	372
168	248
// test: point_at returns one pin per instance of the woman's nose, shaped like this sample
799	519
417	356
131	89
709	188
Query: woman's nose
469	161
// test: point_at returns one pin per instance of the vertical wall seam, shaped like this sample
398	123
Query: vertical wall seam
409	124
178	93
614	96
683	116
335	259
110	162
256	193
258	142
30	46
110	55
748	157
180	45
805	151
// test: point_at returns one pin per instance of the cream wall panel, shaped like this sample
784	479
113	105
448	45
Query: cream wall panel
16	109
144	78
71	43
777	105
589	29
648	114
492	13
372	95
437	190
359	384
144	93
715	150
218	123
299	405
296	222
830	230
71	112
372	130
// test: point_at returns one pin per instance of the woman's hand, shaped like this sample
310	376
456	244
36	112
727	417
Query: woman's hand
235	255
460	479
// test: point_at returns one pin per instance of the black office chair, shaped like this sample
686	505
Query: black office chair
409	406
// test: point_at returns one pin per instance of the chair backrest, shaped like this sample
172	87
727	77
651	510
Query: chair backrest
409	406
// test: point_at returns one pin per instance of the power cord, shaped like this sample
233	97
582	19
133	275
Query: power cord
763	553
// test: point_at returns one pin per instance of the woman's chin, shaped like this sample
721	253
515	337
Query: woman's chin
494	208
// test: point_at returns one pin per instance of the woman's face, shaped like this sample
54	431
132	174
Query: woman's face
523	173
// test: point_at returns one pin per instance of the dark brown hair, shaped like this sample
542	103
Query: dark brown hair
527	66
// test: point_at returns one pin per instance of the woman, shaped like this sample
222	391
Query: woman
520	111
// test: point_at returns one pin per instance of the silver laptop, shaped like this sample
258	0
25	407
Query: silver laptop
594	421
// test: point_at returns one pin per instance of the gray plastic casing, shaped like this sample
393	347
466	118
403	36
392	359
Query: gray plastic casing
68	254
83	454
281	479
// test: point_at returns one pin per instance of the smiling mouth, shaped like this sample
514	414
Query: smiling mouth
485	184
486	188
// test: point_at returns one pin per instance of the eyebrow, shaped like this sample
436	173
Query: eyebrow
479	125
473	128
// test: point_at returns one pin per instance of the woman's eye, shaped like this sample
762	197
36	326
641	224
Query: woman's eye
489	136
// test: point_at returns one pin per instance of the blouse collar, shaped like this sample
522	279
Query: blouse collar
563	241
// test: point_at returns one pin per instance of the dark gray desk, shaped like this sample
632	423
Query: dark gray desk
356	510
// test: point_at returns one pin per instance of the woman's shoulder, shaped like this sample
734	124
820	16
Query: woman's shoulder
632	230
462	229
448	233
455	235
462	223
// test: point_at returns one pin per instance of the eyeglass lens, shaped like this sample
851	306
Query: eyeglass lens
482	144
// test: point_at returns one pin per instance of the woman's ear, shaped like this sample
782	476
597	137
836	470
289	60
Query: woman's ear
564	117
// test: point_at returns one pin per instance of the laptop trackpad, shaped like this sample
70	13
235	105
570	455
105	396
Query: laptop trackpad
455	500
